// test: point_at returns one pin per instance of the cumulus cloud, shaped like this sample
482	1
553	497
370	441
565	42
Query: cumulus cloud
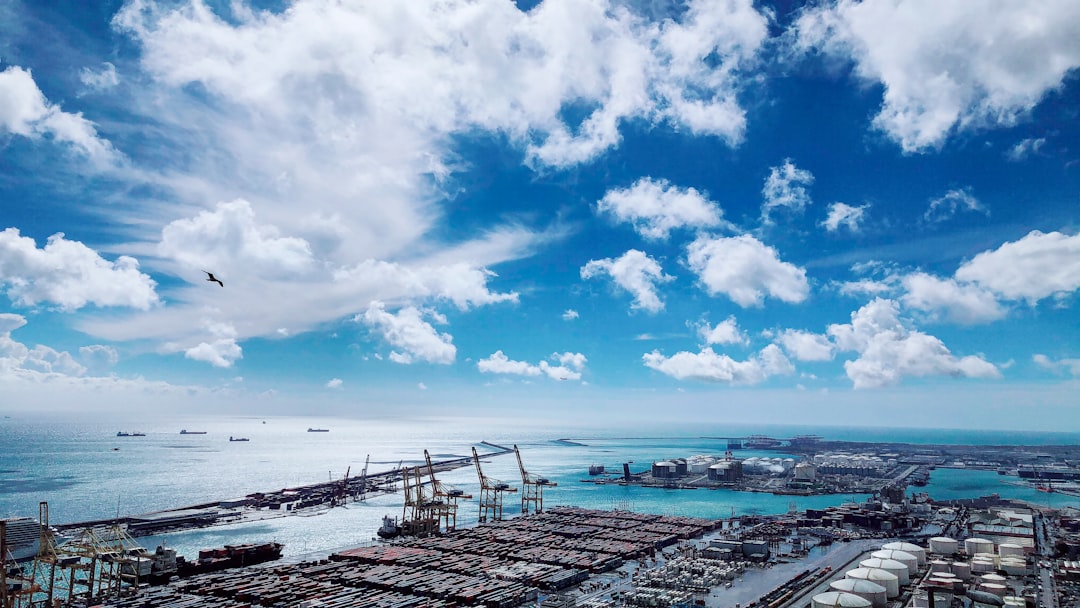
570	314
40	362
24	111
708	366
635	272
951	300
949	68
1069	366
841	214
725	332
70	275
1035	267
889	350
1025	148
460	283
229	236
806	346
408	331
953	201
745	270
655	208
569	366
335	383
98	356
100	79
223	351
785	188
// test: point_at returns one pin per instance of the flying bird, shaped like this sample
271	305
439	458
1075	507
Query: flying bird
213	278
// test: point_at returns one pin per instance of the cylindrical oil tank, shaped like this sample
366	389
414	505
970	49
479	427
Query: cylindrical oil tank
877	575
831	599
962	570
922	599
978	545
912	548
903	557
867	590
992	578
982	566
943	545
889	565
1010	550
940	565
1013	566
997	589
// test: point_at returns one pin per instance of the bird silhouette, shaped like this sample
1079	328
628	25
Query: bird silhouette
213	278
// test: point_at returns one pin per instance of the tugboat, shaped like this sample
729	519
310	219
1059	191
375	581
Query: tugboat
389	528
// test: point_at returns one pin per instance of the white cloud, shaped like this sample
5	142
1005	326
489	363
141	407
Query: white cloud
949	67
1035	267
335	383
889	350
635	272
955	301
40	362
1025	148
806	346
223	352
1070	366
725	332
98	356
25	111
865	287
709	366
408	331
841	214
947	205
101	79
655	208
229	237
421	386
70	275
746	270
570	314
570	366
785	188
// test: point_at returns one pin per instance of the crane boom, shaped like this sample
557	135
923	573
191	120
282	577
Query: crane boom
532	487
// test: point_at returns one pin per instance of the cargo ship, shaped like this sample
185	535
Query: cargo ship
231	438
22	536
187	432
123	434
311	430
229	556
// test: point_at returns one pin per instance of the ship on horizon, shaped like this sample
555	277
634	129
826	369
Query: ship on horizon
123	434
187	432
312	430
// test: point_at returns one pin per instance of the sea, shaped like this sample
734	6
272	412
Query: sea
83	471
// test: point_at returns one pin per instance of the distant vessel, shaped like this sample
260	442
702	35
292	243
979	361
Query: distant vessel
389	528
759	442
231	438
187	432
596	469
311	430
23	536
123	434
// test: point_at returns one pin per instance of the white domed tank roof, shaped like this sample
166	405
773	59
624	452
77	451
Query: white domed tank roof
865	589
829	599
943	545
877	575
719	465
912	548
1010	550
903	557
890	565
978	545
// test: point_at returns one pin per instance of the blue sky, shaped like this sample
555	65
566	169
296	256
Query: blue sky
830	213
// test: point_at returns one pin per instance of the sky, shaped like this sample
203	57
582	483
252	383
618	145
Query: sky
835	212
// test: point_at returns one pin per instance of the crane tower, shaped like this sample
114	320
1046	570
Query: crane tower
491	493
446	495
532	487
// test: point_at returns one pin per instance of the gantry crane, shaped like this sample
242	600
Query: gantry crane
491	493
532	487
361	494
420	516
446	494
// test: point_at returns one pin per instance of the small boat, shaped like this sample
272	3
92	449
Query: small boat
389	528
311	430
231	438
123	434
187	432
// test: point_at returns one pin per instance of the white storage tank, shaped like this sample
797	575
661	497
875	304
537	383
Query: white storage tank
962	570
889	565
943	545
903	557
1013	566
867	590
982	566
997	589
831	599
912	548
978	545
1011	550
992	578
876	575
940	565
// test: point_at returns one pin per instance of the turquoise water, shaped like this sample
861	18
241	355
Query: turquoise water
85	472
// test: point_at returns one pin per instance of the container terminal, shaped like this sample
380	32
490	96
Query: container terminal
857	554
